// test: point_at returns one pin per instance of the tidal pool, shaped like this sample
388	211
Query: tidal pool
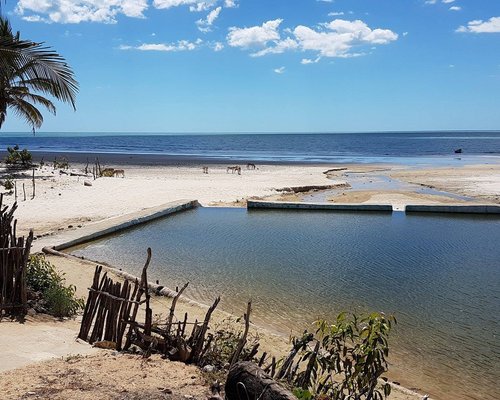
438	274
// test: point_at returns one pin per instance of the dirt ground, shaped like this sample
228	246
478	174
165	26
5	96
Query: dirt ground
105	375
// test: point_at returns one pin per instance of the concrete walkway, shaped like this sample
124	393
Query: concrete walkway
74	236
38	340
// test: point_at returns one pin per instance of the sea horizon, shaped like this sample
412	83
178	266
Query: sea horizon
216	133
375	147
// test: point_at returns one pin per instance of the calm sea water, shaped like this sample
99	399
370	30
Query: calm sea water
439	275
352	147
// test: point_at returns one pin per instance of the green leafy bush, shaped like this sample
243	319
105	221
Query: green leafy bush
61	163
344	360
16	157
59	299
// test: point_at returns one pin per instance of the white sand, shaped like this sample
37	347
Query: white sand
63	200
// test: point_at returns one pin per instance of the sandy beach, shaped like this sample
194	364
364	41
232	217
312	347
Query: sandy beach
62	200
64	204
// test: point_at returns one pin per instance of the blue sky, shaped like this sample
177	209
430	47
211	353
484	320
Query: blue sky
271	65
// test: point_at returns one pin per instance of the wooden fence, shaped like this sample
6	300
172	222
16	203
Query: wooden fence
111	314
13	260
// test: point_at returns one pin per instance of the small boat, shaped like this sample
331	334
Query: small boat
458	151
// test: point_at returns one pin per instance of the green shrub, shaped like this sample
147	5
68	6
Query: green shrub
345	359
16	157
59	299
61	163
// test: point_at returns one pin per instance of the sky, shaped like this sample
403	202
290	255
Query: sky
270	65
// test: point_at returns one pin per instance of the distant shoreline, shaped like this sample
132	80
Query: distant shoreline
151	159
158	159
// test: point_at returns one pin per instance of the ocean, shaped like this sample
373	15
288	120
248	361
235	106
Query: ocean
406	147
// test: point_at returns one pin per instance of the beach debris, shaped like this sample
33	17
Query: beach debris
208	368
105	344
302	189
87	183
332	170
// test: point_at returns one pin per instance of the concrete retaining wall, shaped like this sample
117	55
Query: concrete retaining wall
458	208
318	206
110	226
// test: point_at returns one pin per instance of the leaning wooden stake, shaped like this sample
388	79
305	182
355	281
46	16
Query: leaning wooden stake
139	294
172	307
243	339
32	197
199	337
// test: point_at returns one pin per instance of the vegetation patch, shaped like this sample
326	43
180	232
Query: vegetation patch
48	291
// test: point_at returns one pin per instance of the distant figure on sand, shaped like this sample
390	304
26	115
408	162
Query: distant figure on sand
205	170
251	166
119	172
234	169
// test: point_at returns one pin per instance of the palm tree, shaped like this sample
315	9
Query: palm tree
27	67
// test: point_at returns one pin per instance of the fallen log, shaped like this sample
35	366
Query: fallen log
247	381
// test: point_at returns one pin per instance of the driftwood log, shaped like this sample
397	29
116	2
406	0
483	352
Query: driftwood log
247	381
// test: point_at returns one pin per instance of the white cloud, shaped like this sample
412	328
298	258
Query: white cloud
306	61
437	1
279	70
194	5
76	11
340	37
334	39
181	45
255	35
230	4
335	14
478	26
205	25
217	46
455	8
280	47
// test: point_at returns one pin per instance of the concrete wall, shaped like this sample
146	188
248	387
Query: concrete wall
458	208
412	208
114	225
318	206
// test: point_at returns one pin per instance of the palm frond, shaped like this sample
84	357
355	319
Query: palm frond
34	61
27	111
27	67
